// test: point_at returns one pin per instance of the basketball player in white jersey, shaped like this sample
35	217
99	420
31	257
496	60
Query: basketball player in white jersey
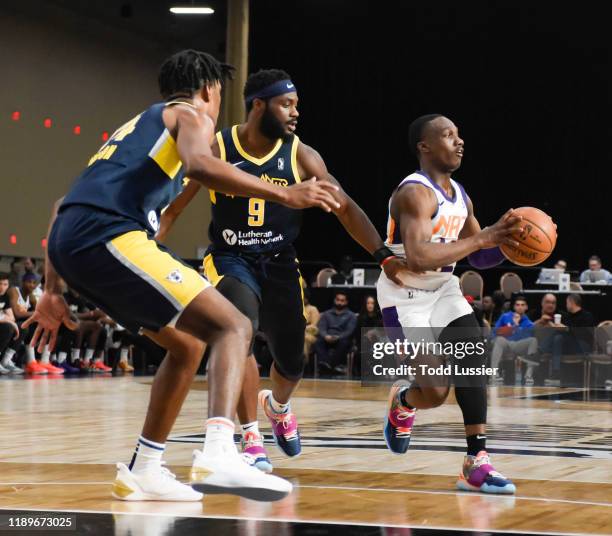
432	225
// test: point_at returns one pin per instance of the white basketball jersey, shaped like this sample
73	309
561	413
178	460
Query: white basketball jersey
446	224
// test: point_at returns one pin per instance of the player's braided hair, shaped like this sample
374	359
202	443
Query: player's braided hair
189	70
415	131
261	79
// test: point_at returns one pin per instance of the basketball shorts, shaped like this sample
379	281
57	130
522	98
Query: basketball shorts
270	294
420	314
136	281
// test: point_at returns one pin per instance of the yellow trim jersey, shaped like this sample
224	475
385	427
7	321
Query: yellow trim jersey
131	178
252	225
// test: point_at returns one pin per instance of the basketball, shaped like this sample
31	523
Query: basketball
537	240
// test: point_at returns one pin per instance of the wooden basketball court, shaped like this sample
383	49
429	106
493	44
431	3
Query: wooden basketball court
61	438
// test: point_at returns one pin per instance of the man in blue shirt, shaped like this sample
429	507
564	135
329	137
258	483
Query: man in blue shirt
514	337
336	329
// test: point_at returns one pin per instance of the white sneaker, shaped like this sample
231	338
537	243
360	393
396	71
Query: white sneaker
229	473
154	485
13	369
4	371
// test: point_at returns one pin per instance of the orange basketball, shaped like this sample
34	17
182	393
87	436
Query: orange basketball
537	240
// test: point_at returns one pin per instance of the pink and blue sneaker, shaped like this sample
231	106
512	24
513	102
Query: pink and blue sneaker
399	420
254	452
284	426
479	475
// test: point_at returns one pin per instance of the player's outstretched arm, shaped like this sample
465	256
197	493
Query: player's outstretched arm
414	205
51	310
192	134
350	214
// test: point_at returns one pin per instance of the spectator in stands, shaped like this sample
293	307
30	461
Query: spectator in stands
9	331
368	330
23	303
576	338
487	307
91	328
335	338
502	304
548	310
344	276
514	337
312	319
595	273
20	267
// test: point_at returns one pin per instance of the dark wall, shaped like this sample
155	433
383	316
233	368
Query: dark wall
527	83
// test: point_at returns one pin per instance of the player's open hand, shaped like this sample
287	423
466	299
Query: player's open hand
51	312
312	193
502	231
396	268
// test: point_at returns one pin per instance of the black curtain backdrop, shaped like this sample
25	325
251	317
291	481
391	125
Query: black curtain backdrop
527	83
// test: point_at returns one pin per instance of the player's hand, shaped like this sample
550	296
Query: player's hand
502	231
394	269
312	193
51	312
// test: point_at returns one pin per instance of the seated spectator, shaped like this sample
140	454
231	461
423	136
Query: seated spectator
487	306
23	303
344	276
595	273
368	330
514	337
312	319
575	336
335	338
20	267
548	309
91	329
9	331
561	264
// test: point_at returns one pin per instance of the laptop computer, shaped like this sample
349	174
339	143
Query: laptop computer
550	275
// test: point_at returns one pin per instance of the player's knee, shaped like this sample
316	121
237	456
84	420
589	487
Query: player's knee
291	369
241	328
435	396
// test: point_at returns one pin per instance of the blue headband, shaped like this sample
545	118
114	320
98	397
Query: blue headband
277	88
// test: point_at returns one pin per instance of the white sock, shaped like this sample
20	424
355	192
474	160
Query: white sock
44	359
61	357
30	355
123	356
88	355
8	357
250	427
147	455
219	438
75	354
277	406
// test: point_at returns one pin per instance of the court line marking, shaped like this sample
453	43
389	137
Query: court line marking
312	521
498	496
357	488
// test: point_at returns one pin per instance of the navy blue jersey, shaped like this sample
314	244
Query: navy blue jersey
252	225
132	177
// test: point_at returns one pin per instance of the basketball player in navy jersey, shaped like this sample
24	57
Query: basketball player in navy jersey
432	225
101	243
251	259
